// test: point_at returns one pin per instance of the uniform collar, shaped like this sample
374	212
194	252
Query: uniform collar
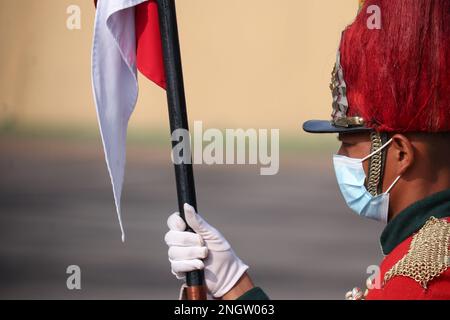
413	218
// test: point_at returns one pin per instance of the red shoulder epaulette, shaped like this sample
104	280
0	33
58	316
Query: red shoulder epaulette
419	267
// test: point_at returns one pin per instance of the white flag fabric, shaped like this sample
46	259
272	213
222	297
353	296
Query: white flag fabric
114	81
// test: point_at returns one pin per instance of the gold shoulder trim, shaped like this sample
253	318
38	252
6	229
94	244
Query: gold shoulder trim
428	254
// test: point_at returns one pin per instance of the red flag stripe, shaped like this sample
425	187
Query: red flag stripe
148	42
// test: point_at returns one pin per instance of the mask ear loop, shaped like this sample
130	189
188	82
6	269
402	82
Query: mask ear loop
376	151
393	184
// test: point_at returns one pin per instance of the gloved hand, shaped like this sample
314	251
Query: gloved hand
186	251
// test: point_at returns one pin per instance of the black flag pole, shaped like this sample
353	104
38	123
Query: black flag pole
184	174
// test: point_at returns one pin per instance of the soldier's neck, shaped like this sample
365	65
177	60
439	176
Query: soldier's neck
409	192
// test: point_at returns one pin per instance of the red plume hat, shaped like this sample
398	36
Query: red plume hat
395	78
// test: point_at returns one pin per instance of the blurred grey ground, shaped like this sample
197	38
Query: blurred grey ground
56	210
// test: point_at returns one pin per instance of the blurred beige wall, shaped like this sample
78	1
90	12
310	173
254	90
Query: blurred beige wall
247	63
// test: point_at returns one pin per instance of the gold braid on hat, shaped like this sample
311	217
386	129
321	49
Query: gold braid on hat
361	4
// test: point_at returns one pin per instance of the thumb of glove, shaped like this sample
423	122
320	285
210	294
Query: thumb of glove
213	238
194	220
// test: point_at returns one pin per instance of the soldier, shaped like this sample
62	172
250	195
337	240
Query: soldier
391	111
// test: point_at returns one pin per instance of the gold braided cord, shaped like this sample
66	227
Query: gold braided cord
428	255
361	4
375	164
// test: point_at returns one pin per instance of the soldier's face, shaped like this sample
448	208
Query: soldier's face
355	145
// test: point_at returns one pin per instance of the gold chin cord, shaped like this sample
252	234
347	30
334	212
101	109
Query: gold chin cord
374	179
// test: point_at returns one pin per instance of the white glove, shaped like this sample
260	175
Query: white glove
186	251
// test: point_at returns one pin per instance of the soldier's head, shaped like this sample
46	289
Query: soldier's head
391	106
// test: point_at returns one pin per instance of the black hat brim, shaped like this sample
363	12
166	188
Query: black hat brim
325	126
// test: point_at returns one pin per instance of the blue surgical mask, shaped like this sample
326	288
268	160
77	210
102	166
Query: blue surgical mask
351	178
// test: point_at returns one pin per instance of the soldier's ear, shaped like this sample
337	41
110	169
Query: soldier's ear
403	154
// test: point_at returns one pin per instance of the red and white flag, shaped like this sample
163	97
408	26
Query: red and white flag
126	39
